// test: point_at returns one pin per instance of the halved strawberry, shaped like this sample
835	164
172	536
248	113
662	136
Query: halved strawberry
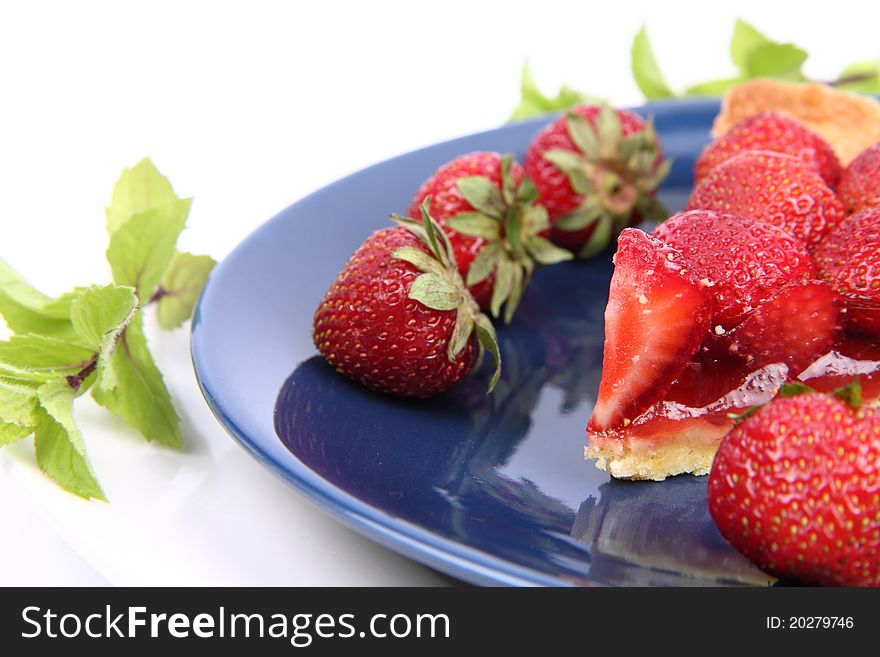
658	313
795	326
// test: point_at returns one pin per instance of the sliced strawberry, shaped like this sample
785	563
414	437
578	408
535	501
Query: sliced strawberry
795	326
657	315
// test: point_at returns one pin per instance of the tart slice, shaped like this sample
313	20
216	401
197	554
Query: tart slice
706	318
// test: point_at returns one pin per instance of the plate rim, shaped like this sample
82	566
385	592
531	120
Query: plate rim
408	539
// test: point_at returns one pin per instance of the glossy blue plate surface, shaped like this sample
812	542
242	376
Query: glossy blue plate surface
490	489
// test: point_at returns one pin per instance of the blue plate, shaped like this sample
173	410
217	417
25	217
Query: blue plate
490	489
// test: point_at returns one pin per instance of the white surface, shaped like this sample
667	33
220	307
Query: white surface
247	107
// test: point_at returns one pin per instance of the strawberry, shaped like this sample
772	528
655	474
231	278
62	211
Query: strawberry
860	183
772	187
399	318
744	261
849	257
485	205
796	488
657	316
596	170
768	131
796	325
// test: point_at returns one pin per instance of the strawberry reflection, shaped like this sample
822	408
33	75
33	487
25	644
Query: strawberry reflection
658	534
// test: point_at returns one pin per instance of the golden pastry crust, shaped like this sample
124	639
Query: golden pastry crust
848	122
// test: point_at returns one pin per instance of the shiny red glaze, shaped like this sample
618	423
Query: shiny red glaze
849	257
768	131
774	188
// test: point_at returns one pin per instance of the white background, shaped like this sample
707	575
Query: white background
247	107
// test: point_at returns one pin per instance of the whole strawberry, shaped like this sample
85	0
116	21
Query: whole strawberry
768	131
596	170
486	206
849	257
860	183
796	489
399	319
774	188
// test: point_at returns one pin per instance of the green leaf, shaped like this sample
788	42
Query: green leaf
461	333
142	248
483	194
850	394
534	103
138	394
776	60
745	39
27	310
61	452
138	189
583	217
484	264
547	253
712	87
18	404
435	292
475	224
10	433
793	389
102	312
645	69
38	358
181	286
517	286
861	76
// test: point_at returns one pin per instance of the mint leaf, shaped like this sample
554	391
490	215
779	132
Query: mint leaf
180	288
712	87
141	249
645	69
135	390
39	358
138	189
534	103
776	60
99	313
18	404
745	39
27	310
61	452
10	433
861	76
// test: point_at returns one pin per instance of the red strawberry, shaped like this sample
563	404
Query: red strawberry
860	183
849	257
596	170
744	261
771	132
775	188
399	318
796	489
657	315
796	325
485	205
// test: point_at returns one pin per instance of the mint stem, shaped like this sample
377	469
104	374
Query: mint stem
76	380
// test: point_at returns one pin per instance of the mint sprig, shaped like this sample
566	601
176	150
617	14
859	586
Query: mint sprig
92	338
752	53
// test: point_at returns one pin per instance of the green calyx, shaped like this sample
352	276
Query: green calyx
615	174
440	287
511	222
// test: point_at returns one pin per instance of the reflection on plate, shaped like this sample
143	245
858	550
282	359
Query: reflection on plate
491	489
